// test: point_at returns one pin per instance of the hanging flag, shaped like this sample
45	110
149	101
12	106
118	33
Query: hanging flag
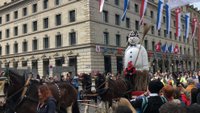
98	48
142	10
165	48
101	4
158	47
178	3
171	48
159	15
126	2
178	22
176	49
194	27
168	18
187	25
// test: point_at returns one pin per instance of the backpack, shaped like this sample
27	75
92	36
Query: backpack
145	104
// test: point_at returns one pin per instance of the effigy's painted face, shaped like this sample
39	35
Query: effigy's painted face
133	40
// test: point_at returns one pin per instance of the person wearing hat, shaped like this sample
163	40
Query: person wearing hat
154	101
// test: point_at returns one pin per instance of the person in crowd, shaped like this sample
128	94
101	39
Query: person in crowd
168	92
184	96
47	104
171	107
194	108
123	109
194	93
191	85
154	101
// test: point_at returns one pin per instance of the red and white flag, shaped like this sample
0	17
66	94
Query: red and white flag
178	22
158	47
101	4
176	49
194	27
142	10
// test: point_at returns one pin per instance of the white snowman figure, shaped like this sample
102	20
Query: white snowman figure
131	53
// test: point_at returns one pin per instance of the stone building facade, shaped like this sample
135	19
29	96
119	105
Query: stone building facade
41	34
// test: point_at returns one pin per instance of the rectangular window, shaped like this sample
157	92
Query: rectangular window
105	16
159	32
72	16
57	2
24	28
25	46
46	23
7	33
7	17
24	11
15	31
35	26
170	35
45	4
152	14
117	19
58	40
35	44
152	29
34	8
117	2
24	63
7	49
16	15
106	38
128	22
146	44
58	20
72	38
136	8
165	33
153	46
164	19
16	48
46	43
0	20
137	26
0	35
118	40
0	50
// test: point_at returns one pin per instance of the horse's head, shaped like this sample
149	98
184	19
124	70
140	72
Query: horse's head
100	81
11	87
86	82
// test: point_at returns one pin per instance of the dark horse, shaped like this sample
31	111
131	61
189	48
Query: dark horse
109	89
87	91
23	98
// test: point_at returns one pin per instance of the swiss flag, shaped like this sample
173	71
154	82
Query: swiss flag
176	49
158	47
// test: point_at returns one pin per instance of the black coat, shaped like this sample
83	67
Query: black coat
48	107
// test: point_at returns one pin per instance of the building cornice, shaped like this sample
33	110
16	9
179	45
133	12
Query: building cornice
12	3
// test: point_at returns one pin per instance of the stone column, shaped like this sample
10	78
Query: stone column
114	64
40	67
19	64
29	64
11	64
66	58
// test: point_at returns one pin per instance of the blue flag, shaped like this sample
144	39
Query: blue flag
171	48
126	2
165	48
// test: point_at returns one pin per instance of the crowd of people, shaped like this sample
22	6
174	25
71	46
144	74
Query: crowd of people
167	93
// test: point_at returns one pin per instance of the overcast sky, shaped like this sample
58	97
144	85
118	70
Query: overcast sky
197	5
